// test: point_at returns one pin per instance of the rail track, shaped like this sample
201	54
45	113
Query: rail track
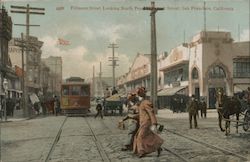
104	156
224	151
56	140
100	149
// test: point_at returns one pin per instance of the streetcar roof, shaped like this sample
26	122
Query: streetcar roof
75	83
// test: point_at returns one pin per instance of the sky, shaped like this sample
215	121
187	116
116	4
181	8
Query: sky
91	25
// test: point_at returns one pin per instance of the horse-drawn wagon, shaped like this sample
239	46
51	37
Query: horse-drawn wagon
234	106
113	105
246	124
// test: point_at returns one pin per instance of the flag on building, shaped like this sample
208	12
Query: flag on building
63	42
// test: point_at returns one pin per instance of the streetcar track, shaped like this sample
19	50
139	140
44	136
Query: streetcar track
100	149
89	135
57	138
177	155
227	152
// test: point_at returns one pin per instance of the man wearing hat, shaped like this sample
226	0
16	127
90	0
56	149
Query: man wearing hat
192	109
203	108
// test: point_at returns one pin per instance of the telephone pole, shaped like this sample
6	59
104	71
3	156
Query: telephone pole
93	82
100	81
22	44
27	10
113	59
153	76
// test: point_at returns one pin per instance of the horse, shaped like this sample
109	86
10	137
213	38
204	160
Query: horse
230	106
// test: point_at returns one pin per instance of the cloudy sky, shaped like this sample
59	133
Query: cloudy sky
91	25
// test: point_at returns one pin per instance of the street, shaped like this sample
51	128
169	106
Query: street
89	139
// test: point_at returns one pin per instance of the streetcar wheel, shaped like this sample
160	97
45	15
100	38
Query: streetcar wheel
247	121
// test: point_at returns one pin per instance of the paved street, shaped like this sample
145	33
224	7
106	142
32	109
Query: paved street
89	139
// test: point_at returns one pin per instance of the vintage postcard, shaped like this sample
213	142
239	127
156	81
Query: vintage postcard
124	80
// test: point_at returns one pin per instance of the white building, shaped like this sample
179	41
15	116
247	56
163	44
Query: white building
138	75
211	61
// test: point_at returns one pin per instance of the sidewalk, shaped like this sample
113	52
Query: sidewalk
168	114
18	116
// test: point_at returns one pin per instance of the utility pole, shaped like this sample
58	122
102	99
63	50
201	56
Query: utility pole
23	46
114	60
100	80
27	10
153	76
239	32
93	81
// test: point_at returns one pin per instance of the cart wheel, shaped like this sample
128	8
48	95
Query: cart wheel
246	120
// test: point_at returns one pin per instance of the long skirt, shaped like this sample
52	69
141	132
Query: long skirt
146	141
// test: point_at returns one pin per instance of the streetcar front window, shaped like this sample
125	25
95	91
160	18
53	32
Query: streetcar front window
75	91
84	90
65	90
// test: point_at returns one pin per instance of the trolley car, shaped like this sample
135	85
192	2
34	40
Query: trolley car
75	97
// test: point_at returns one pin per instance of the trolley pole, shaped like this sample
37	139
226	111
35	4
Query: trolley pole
153	76
113	59
27	10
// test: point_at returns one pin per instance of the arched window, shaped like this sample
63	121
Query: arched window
195	74
217	72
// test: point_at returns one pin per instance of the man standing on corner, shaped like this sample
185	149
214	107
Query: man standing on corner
192	110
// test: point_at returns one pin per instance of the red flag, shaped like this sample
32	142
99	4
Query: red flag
63	42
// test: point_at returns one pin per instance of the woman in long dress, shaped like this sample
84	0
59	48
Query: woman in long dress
146	140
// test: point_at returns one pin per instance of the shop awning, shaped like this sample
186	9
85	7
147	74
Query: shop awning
170	91
240	87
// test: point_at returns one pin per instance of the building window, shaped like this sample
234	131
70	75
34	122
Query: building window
176	75
241	69
195	74
217	72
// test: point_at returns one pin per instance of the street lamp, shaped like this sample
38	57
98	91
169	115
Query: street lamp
5	87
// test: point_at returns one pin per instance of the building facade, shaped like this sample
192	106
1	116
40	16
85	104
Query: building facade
32	62
217	62
44	79
138	74
55	80
209	62
6	70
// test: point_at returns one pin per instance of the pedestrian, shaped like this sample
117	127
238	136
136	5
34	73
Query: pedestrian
146	140
56	105
133	122
99	108
203	108
114	91
107	93
192	111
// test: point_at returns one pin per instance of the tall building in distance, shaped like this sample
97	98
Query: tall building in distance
54	63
